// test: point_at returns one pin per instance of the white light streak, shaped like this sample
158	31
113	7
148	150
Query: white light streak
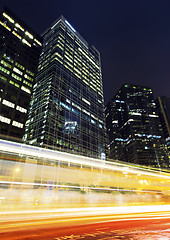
77	187
71	158
101	210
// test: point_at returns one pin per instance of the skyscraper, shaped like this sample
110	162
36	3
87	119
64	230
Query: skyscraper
163	106
20	48
67	107
134	129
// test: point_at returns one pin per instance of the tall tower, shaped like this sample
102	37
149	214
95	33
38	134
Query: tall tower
20	48
67	107
134	129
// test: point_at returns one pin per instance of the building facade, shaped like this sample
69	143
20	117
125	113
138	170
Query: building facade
20	48
163	106
67	107
133	127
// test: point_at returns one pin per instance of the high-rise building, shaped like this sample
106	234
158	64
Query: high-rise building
163	106
67	107
20	48
133	127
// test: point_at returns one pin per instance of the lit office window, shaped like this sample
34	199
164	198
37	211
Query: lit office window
21	109
28	77
19	65
26	42
19	26
5	120
29	34
17	124
4	70
7	103
8	17
37	41
16	34
13	83
31	73
26	89
5	64
4	25
16	77
27	83
17	71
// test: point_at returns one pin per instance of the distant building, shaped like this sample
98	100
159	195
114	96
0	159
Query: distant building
20	47
163	106
134	129
67	107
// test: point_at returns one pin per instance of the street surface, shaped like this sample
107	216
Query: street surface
83	225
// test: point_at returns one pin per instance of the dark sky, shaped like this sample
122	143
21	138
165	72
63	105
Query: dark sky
133	37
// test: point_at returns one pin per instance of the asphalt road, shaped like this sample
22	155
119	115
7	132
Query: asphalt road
133	226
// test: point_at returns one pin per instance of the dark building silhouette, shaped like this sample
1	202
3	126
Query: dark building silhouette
163	106
67	108
20	47
133	127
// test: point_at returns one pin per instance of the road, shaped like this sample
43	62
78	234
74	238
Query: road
88	225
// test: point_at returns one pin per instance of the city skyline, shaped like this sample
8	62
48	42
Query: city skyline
133	38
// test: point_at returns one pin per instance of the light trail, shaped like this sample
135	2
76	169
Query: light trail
77	187
28	150
99	210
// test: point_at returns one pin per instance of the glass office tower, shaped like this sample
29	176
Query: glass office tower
133	127
67	107
20	48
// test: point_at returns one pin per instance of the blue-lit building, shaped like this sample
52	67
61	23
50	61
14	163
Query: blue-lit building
67	106
20	49
134	129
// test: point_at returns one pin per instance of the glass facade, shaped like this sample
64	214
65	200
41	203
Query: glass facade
67	107
19	54
133	127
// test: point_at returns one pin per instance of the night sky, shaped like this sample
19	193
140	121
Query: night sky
133	37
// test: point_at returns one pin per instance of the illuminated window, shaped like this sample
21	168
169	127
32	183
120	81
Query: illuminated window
16	77
17	124
3	78
86	101
18	26
31	73
29	34
8	58
21	109
26	42
26	89
28	77
19	65
5	64
7	103
4	70
8	17
86	112
27	83
13	83
4	25
17	71
37	41
16	34
5	120
151	115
